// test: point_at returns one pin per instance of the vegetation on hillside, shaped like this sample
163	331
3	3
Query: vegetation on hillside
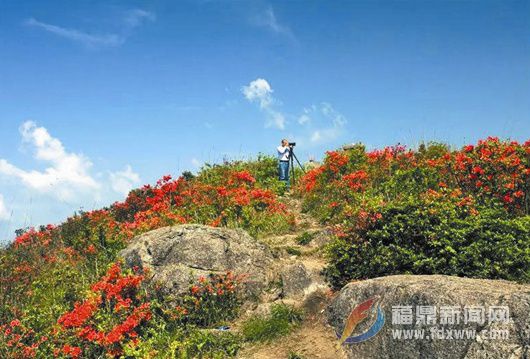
63	293
460	212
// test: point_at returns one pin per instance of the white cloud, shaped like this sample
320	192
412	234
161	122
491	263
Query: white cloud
260	91
79	36
316	136
321	123
267	19
57	182
67	173
135	17
329	125
196	163
328	111
124	181
131	20
277	120
303	119
4	213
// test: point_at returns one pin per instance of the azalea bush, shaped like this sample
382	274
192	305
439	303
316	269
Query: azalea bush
46	270
113	314
210	301
122	316
432	210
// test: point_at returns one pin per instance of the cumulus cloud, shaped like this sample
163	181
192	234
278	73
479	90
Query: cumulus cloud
124	181
67	175
67	172
4	213
131	19
260	91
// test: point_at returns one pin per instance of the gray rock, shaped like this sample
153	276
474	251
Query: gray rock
179	254
295	280
299	281
437	291
322	237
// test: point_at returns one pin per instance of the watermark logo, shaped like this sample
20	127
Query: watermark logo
357	316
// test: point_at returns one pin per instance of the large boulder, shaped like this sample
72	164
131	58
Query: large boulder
407	302
178	255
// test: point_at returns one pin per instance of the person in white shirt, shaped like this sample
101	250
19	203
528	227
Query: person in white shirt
283	162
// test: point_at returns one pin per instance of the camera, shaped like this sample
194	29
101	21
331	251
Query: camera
291	144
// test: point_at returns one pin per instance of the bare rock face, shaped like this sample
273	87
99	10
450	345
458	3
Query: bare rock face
178	255
401	297
298	281
295	279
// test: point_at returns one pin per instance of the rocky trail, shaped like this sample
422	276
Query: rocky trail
299	264
288	269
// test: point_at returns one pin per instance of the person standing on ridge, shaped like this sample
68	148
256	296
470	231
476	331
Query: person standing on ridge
283	162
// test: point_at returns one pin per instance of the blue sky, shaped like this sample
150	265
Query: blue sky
97	97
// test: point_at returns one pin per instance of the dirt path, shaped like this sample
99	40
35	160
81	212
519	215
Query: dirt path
313	338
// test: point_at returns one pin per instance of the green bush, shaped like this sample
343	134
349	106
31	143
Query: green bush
433	237
305	238
162	343
263	168
266	328
206	344
293	355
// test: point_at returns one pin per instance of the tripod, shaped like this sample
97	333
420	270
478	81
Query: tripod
293	157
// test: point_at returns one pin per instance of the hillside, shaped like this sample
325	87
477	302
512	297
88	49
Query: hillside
66	292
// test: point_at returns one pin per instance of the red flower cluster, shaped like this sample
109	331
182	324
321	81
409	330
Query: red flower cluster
491	170
20	342
31	237
182	201
356	180
210	300
113	299
335	161
242	177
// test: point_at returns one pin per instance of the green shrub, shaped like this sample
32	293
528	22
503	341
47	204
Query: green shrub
266	328
432	237
263	168
293	251
160	343
305	238
206	344
211	301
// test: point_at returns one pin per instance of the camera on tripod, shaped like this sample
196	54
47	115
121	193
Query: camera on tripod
292	144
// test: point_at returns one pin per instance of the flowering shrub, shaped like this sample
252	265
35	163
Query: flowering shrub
492	172
461	212
236	203
210	301
110	317
18	341
51	266
44	272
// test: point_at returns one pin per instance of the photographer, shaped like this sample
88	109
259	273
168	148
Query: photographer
283	162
